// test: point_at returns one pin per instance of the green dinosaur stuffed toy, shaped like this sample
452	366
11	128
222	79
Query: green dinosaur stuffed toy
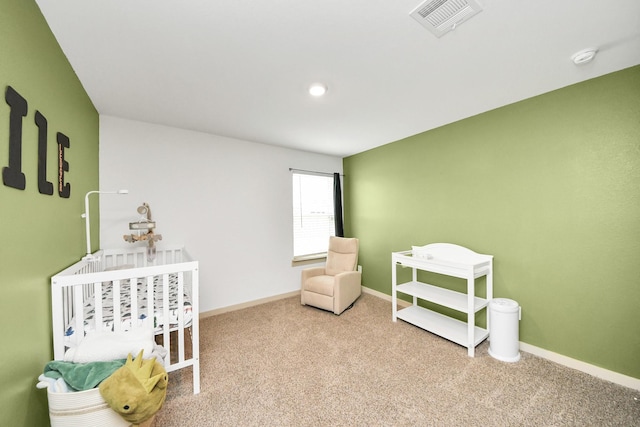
137	390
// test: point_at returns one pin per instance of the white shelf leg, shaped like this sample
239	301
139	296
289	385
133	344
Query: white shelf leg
414	276
394	297
489	282
471	316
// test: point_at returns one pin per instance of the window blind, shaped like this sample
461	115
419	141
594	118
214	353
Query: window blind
313	214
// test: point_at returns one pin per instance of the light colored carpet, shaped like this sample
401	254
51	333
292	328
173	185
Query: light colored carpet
283	364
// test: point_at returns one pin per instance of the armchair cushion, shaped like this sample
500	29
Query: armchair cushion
342	255
321	285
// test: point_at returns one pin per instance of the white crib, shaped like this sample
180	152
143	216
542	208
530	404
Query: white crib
136	292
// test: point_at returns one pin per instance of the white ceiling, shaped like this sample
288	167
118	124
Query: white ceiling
241	68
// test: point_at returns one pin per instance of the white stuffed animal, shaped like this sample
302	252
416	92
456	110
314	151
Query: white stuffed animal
54	385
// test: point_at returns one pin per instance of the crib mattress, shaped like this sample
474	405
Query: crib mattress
127	322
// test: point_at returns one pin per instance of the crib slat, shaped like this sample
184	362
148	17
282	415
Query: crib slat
97	304
117	318
150	321
166	336
78	312
180	311
133	311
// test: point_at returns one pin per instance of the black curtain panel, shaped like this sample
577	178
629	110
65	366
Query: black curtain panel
337	205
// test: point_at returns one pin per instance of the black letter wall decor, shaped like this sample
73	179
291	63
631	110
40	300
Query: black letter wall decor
12	175
64	190
44	186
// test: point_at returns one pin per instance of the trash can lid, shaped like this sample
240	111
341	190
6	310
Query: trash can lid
504	305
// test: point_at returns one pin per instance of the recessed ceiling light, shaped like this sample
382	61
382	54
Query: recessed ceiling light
584	56
318	89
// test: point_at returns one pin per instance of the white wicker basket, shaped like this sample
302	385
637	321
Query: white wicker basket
82	409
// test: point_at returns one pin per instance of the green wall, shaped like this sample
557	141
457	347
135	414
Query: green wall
40	234
549	186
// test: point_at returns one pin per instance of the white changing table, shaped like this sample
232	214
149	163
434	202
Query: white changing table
450	260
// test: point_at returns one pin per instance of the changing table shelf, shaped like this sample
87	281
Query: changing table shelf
441	296
451	260
444	326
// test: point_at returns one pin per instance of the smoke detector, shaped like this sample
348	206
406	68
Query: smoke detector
584	56
442	16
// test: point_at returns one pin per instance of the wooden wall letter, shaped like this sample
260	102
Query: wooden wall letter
12	175
44	186
64	190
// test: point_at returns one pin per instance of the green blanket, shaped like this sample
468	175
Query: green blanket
82	376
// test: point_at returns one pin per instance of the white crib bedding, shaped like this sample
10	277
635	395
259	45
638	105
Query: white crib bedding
125	308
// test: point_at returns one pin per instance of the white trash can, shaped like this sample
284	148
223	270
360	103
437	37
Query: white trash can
504	315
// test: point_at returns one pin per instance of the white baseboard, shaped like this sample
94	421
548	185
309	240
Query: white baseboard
596	371
247	304
376	293
385	297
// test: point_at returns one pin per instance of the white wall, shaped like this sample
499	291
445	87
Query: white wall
227	201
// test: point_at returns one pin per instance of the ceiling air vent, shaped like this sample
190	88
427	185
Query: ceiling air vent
442	16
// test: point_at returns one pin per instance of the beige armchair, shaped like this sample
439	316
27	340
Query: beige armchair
337	285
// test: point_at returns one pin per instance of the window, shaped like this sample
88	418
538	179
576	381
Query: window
313	214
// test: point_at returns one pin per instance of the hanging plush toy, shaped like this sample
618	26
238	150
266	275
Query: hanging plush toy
137	390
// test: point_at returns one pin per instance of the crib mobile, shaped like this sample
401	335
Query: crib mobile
144	223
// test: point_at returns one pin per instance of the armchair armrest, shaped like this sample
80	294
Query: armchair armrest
347	289
347	278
